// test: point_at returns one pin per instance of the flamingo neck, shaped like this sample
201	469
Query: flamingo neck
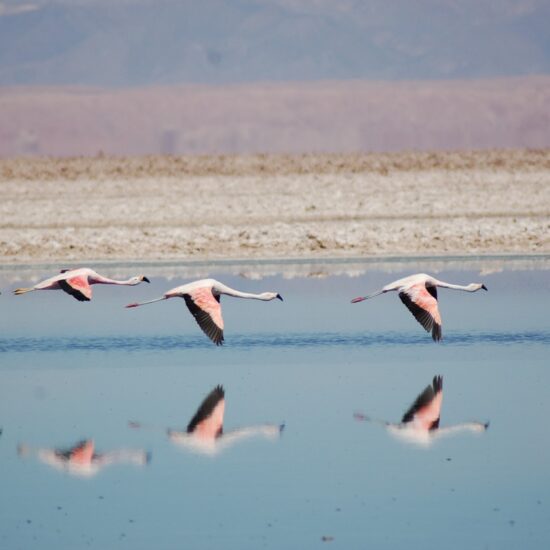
222	289
106	281
455	287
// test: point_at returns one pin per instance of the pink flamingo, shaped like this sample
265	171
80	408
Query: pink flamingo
419	293
82	460
420	424
203	300
76	282
205	434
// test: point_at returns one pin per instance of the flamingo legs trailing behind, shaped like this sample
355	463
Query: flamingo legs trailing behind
203	300
419	293
420	424
82	460
205	433
77	283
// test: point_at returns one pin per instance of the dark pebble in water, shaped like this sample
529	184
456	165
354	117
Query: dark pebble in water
448	459
511	523
59	508
338	509
100	497
29	521
130	521
327	538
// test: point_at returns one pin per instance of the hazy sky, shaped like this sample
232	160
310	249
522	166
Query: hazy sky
146	42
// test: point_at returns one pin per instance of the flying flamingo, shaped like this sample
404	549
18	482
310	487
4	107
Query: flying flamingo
203	300
419	293
420	424
205	434
76	282
82	460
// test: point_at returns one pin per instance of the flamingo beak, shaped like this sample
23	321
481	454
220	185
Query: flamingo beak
356	300
280	297
483	287
146	280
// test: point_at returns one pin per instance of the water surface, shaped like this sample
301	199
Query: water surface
71	371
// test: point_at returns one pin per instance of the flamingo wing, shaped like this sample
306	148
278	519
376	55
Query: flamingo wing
77	287
208	420
422	303
206	309
81	453
426	410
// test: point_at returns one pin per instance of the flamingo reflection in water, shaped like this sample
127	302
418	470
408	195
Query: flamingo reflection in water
205	433
82	460
420	424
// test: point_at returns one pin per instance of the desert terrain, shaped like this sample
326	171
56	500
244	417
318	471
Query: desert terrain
279	118
269	207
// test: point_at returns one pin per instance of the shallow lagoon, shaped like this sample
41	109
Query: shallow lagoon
70	371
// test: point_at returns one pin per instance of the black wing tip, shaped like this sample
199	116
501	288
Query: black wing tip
437	383
424	398
75	293
437	333
207	406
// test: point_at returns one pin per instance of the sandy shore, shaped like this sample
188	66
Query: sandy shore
315	206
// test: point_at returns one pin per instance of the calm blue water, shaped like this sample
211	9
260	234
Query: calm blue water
71	371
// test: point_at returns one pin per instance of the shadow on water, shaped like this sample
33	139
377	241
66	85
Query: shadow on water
296	340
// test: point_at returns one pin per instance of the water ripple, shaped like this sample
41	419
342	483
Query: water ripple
293	340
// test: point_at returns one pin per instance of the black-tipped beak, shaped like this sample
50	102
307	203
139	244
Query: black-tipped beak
280	297
483	287
145	279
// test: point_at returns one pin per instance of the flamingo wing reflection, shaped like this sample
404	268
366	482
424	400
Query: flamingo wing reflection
82	460
421	423
205	433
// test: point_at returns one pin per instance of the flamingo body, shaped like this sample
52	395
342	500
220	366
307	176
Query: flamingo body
419	294
77	283
202	298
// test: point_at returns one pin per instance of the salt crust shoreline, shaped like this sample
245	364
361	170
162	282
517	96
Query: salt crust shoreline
274	207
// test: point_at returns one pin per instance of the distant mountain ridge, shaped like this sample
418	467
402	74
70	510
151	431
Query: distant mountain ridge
150	42
292	117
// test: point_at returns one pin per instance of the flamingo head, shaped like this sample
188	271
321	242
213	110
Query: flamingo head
271	296
473	287
139	279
